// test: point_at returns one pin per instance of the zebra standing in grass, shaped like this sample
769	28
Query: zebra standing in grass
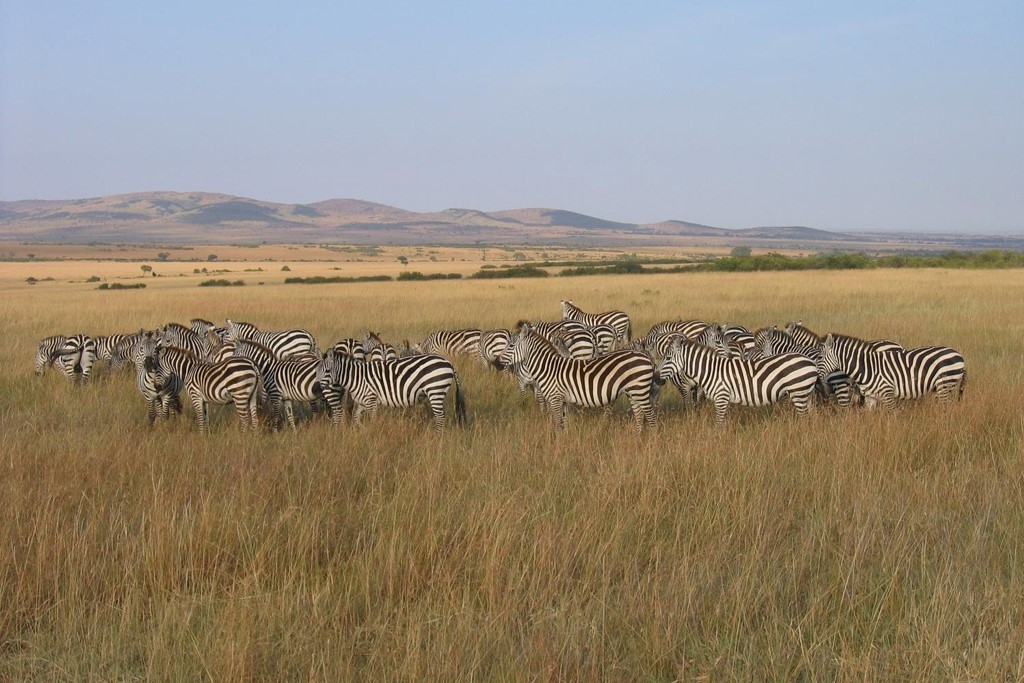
204	327
492	343
560	381
234	380
726	380
771	341
806	337
353	348
48	352
401	382
451	343
75	357
174	334
688	328
617	320
895	374
283	344
107	348
577	344
161	398
298	380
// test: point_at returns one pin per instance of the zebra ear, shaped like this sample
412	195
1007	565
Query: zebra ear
829	340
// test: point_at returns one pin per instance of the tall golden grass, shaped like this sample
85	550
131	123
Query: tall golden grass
847	545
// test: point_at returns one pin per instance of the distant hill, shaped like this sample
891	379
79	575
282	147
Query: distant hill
212	218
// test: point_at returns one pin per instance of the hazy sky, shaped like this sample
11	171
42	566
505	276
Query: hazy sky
854	115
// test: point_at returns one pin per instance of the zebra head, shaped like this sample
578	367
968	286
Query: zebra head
512	354
830	361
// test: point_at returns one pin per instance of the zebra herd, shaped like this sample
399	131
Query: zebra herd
584	359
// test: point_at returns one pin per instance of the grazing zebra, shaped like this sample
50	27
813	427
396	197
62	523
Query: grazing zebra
560	381
618	320
234	380
605	336
297	380
75	358
547	328
726	380
283	344
48	352
714	335
895	374
400	382
492	343
161	398
451	343
377	349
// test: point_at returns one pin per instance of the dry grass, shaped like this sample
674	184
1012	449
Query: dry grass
867	546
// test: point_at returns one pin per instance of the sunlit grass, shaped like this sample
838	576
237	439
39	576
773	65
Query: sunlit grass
879	546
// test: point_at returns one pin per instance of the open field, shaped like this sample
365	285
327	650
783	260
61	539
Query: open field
875	546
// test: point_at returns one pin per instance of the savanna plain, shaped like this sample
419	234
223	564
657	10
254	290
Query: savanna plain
848	545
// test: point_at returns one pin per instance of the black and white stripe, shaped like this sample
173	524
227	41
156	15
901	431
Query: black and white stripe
617	320
492	343
161	397
886	376
75	357
400	382
560	381
726	380
283	344
48	352
451	343
234	380
175	334
377	349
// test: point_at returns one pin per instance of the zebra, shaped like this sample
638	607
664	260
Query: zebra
48	352
559	381
618	320
577	344
283	344
726	380
377	349
161	398
806	337
297	380
75	357
450	343
714	334
107	346
605	336
204	327
234	380
492	343
175	334
688	328
895	374
353	348
399	382
771	341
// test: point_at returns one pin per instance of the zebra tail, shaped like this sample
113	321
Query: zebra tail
460	404
963	383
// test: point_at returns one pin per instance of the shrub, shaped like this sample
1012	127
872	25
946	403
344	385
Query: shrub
222	283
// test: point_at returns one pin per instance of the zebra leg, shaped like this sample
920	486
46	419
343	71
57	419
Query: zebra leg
556	406
802	401
289	413
151	410
437	408
242	408
199	407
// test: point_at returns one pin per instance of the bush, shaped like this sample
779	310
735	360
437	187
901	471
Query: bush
321	280
521	271
222	283
94	278
416	275
119	285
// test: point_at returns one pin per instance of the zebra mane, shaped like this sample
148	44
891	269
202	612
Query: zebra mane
184	352
799	325
847	338
178	327
260	348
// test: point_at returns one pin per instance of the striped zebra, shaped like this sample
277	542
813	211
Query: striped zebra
599	382
726	380
806	337
352	348
298	380
175	334
577	344
714	335
377	349
161	398
48	352
400	382
75	357
451	343
895	374
204	327
771	341
617	320
234	380
688	328
107	348
284	344
492	343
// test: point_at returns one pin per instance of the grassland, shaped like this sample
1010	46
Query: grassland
849	545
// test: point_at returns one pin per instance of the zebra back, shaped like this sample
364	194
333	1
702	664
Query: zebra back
47	353
618	320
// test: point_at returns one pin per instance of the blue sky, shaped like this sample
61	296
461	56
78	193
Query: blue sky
846	116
